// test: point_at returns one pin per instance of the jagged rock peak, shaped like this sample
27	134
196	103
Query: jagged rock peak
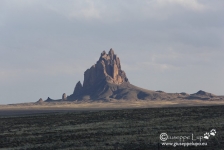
111	52
107	67
103	53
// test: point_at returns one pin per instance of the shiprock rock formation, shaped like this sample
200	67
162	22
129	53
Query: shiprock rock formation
107	68
106	81
102	80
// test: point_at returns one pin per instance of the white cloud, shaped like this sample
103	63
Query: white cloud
78	9
88	12
189	4
109	11
166	9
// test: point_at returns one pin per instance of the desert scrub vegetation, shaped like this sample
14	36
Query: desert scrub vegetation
111	129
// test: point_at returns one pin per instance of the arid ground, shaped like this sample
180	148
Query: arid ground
29	108
138	128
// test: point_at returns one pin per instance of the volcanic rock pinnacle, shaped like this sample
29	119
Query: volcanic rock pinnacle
107	67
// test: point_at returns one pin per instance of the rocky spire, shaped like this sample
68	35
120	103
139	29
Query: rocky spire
111	52
107	68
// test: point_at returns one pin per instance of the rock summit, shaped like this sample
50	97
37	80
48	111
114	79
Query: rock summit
107	71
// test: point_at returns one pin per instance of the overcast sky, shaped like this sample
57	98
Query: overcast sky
168	45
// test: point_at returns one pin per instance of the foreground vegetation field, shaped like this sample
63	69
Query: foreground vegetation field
112	129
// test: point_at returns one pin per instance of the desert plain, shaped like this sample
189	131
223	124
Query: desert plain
109	125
